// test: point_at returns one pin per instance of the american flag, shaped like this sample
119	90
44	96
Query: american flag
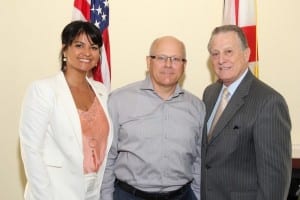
97	12
243	13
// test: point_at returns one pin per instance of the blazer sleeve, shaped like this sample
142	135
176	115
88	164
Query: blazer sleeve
35	114
272	141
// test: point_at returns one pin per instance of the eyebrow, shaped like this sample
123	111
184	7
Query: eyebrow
92	44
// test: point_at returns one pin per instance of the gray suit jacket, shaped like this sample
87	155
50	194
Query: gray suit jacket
249	155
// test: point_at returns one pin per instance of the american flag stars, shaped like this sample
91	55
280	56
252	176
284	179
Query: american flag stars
100	13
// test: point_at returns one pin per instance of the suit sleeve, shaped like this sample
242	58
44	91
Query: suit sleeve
272	141
34	120
107	188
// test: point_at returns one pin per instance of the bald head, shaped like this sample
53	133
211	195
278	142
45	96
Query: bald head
168	44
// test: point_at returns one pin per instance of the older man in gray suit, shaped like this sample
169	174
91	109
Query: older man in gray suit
246	153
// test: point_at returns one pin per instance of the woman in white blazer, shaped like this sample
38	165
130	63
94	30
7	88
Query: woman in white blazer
65	129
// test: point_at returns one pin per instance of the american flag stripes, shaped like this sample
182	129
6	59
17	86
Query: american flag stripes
97	12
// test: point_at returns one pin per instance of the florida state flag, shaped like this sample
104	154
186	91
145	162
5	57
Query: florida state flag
243	13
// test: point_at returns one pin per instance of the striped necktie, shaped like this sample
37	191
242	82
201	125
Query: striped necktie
221	107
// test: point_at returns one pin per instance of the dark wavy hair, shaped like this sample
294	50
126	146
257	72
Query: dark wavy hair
74	29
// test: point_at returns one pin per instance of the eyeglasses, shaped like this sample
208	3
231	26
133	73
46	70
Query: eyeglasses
163	59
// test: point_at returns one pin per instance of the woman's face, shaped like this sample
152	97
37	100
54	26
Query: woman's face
82	54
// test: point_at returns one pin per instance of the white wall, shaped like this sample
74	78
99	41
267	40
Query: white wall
30	32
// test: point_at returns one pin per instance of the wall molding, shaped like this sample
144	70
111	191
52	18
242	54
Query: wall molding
296	151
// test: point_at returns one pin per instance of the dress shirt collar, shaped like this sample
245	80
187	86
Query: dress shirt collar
147	85
233	86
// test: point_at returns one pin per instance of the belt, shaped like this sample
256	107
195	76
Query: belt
152	195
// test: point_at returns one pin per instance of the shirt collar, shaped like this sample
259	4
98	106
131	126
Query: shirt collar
233	86
147	85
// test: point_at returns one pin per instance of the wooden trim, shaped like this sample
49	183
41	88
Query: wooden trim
296	163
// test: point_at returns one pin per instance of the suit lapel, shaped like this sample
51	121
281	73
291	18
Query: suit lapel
236	101
230	110
67	101
210	97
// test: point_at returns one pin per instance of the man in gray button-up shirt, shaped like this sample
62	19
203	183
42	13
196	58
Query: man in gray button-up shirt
157	132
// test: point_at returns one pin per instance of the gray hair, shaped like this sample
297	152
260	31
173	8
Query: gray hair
230	28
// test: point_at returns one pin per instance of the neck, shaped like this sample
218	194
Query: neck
76	80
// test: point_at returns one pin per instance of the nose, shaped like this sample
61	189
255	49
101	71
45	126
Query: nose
168	62
87	51
221	58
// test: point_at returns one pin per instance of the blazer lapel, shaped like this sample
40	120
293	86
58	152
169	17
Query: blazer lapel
66	98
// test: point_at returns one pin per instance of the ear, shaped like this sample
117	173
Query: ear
247	52
184	65
64	49
148	60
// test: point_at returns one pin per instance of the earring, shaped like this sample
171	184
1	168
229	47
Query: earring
65	59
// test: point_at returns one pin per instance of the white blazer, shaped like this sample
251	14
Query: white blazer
51	141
